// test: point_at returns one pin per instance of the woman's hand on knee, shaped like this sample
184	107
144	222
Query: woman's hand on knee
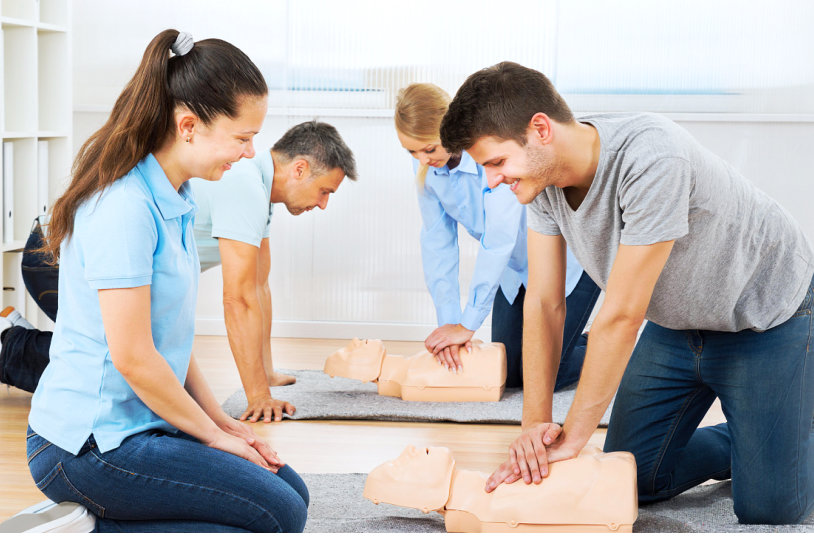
245	432
245	448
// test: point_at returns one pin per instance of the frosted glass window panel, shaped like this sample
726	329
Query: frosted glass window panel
687	55
360	259
110	37
357	53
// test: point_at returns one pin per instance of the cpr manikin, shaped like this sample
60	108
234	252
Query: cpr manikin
594	492
420	377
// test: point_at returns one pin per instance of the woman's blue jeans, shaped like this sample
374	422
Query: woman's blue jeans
765	382
160	482
507	327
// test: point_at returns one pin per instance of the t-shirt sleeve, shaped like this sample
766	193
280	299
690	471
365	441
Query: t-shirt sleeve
117	237
539	217
655	202
240	206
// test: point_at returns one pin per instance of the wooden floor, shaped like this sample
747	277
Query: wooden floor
308	446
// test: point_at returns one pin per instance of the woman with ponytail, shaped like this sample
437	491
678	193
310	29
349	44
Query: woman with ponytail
122	421
452	190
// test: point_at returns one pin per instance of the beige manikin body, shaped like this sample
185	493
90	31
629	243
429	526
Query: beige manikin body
420	377
594	492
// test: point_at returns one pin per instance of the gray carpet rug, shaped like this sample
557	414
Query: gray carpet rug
318	396
337	505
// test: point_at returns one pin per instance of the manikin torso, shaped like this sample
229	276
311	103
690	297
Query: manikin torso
420	377
595	492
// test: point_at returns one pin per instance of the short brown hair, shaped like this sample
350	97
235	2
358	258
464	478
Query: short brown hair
500	101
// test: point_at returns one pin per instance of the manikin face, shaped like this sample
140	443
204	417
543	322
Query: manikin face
528	169
428	153
307	191
226	140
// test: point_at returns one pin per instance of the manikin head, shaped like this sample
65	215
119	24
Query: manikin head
419	110
360	360
509	118
310	162
418	478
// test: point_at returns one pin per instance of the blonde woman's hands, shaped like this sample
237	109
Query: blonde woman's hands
445	342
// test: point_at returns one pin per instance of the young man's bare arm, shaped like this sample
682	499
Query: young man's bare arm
543	322
633	277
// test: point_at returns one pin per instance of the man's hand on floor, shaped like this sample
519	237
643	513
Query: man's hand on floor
267	408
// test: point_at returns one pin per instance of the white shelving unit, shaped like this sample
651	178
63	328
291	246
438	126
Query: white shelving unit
36	122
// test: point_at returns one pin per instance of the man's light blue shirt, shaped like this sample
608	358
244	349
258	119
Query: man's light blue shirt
237	207
491	216
136	232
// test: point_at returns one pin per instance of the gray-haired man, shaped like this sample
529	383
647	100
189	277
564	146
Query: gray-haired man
301	170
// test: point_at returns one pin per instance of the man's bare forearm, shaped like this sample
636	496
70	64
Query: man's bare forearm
610	345
244	328
265	304
542	343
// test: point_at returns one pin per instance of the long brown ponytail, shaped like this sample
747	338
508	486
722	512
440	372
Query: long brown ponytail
209	80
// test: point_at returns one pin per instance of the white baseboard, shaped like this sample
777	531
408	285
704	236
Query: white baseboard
337	330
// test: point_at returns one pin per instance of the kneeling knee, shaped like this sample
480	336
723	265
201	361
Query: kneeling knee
766	515
294	518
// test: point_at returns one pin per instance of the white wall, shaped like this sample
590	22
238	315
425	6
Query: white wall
355	270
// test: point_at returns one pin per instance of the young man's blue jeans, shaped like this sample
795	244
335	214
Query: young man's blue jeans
159	482
507	327
765	382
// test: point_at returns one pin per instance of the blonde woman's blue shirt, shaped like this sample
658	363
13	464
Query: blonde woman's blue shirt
237	207
494	218
136	232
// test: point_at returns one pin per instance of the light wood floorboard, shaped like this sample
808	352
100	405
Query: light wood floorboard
308	446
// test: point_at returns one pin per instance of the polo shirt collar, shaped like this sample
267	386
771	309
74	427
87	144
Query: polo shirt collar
466	165
170	203
266	165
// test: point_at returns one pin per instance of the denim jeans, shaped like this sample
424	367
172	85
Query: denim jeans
507	327
23	356
159	482
765	382
40	278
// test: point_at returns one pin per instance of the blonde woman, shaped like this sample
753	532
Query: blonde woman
452	190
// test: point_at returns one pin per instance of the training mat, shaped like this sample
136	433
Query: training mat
337	505
318	396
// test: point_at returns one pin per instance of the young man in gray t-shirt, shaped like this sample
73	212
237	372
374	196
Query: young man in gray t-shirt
674	235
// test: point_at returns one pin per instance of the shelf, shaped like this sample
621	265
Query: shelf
10	22
13	287
53	76
48	28
24	189
36	120
52	134
59	172
17	245
19	134
19	9
54	13
20	78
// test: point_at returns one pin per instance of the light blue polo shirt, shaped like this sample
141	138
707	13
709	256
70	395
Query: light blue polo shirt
237	207
137	232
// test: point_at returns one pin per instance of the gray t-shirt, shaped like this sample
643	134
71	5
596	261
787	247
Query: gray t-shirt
739	261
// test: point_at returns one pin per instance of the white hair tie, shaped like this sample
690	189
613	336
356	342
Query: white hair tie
183	44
